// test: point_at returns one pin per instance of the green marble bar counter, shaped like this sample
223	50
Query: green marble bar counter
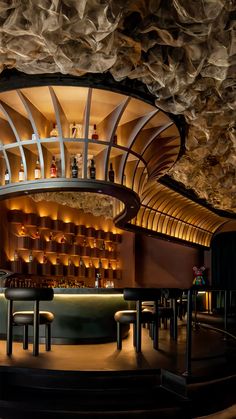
82	315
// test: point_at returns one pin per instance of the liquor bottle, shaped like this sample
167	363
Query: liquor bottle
100	264
37	170
54	132
22	230
81	262
94	243
53	168
63	239
74	169
58	260
45	259
50	236
69	262
37	234
73	131
111	174
80	164
7	177
97	280
95	134
21	173
31	256
92	170
16	256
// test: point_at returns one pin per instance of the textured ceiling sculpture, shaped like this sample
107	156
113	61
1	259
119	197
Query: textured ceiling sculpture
184	51
96	204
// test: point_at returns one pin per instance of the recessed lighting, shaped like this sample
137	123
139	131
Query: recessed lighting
99	191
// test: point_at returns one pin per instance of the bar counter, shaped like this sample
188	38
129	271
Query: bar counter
82	315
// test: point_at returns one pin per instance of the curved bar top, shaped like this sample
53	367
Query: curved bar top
82	315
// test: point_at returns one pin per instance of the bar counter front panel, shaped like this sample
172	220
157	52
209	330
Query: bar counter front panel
82	315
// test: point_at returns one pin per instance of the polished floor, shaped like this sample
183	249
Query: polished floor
211	355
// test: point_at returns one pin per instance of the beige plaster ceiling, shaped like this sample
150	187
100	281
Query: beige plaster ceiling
183	50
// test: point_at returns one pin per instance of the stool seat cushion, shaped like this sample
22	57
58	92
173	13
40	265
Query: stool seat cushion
129	316
27	317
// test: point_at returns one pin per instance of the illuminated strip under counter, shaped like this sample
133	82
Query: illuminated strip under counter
82	315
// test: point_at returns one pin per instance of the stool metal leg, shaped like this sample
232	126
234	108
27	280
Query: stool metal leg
119	339
175	320
36	329
134	335
48	336
25	337
138	326
155	326
9	327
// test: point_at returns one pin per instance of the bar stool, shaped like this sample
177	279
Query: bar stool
29	318
173	294
138	317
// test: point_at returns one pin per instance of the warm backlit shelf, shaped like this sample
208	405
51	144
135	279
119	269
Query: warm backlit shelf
45	247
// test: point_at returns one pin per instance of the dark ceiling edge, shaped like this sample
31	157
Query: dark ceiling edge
178	187
11	79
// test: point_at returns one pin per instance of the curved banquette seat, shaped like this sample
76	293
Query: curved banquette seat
27	318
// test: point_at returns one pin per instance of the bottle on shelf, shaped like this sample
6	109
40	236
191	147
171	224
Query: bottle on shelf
63	239
53	168
80	164
58	260
50	236
95	134
31	256
81	262
69	262
21	173
92	170
45	259
7	177
103	246
73	131
111	174
37	234
100	264
95	243
97	280
54	132
37	170
74	169
16	256
22	230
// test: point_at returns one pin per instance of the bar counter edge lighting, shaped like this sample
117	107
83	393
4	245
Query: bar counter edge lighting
82	315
